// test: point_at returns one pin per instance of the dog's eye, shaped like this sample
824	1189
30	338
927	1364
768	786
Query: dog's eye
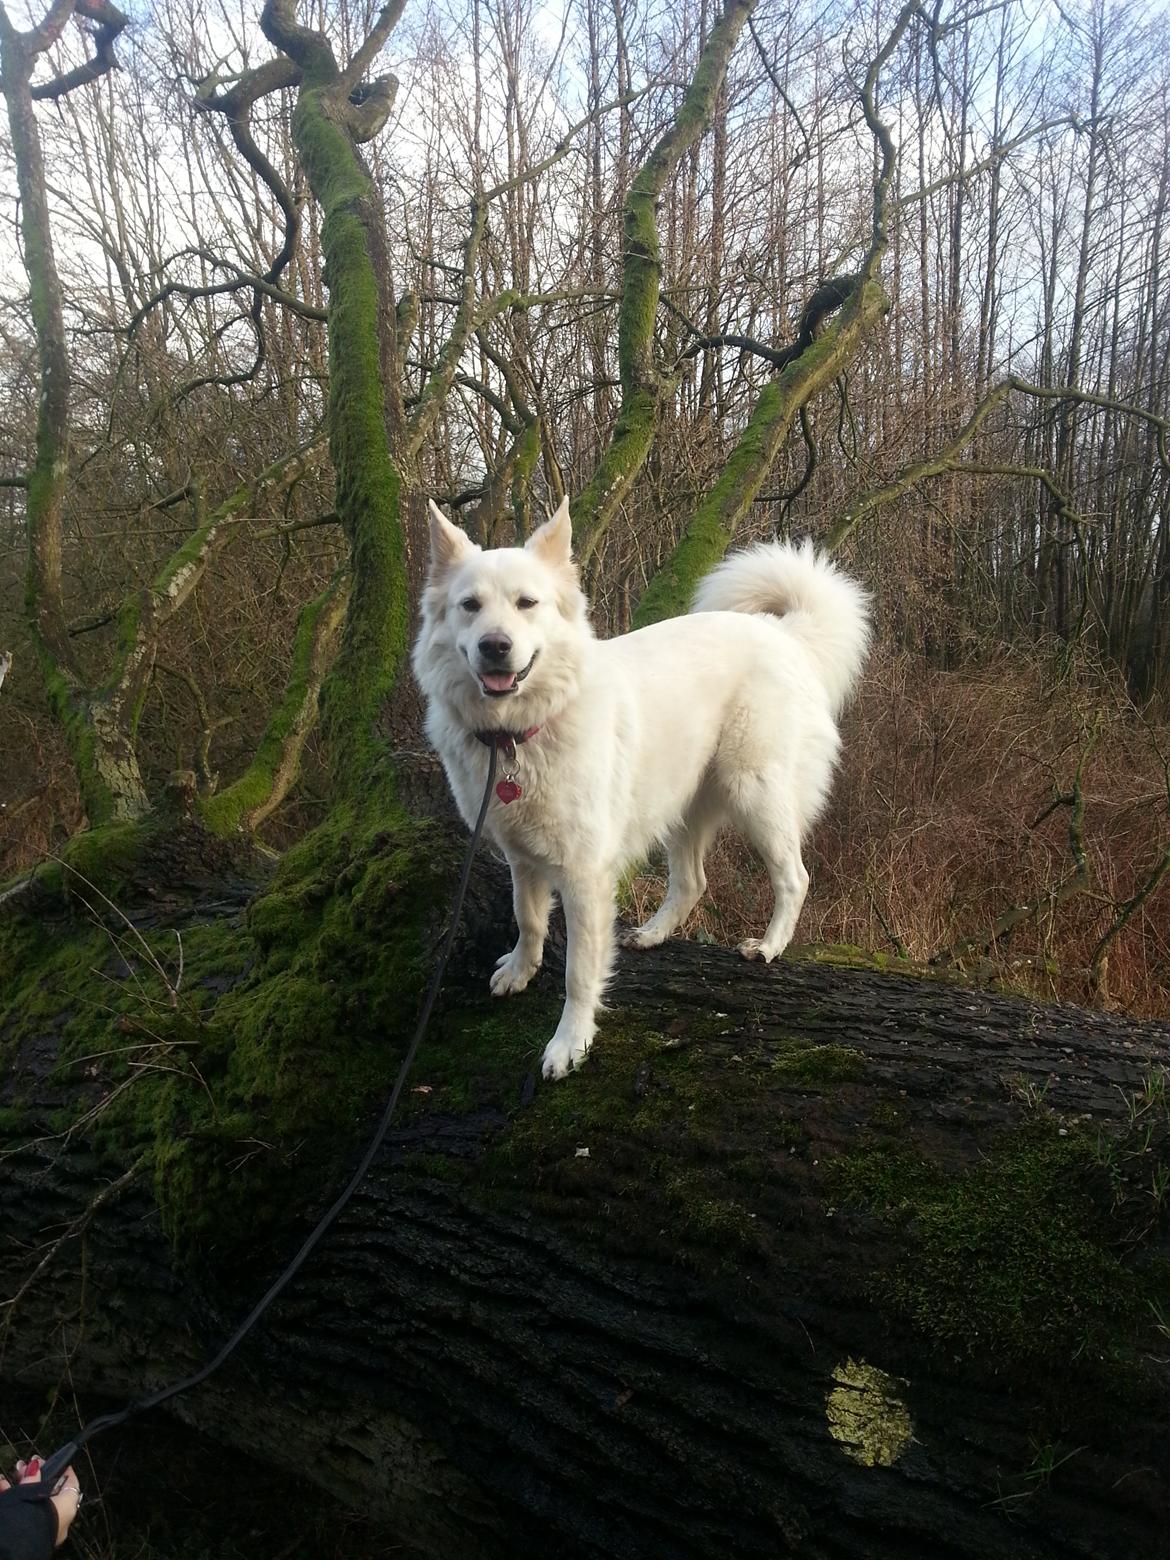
470	604
526	603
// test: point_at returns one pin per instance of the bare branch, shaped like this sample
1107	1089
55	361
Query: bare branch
110	23
946	459
780	93
384	24
1075	883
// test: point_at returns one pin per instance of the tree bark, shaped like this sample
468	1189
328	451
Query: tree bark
101	748
650	1312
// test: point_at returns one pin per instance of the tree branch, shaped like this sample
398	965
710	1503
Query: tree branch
270	776
1077	881
642	383
946	459
110	23
783	96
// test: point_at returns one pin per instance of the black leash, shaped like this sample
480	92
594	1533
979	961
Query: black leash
56	1465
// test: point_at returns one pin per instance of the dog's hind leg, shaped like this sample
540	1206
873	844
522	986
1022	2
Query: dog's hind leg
531	901
762	812
686	849
588	957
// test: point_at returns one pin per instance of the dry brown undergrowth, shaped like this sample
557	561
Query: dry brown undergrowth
933	831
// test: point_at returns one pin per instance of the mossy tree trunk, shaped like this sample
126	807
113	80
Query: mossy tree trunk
248	801
643	380
720	513
808	1261
96	729
804	370
328	130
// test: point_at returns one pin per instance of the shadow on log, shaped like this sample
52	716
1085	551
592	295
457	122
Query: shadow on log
812	1259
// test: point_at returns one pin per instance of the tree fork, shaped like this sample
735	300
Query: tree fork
807	369
717	518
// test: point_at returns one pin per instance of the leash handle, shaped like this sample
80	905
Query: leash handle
56	1465
53	1467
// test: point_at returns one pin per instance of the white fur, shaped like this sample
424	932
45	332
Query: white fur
723	717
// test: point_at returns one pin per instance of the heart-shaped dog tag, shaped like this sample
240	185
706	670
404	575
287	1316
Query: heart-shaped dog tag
508	791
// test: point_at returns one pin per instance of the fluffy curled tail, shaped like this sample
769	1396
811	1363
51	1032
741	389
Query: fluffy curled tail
823	607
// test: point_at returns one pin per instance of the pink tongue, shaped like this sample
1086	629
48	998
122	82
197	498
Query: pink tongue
498	682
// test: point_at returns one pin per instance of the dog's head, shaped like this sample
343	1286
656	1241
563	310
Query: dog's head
502	630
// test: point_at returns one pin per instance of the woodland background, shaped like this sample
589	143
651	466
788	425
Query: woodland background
1005	795
894	277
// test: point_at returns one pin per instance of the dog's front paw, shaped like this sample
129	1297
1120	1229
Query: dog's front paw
563	1054
512	974
755	948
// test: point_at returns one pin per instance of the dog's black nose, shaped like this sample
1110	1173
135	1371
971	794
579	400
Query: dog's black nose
495	647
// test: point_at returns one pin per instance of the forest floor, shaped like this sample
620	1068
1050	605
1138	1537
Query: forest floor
952	805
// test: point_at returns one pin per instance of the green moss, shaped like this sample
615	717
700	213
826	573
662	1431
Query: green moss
657	1143
243	1060
851	956
98	867
23	942
70	711
374	641
481	1055
528	452
886	1177
633	434
719	1222
434	1167
1027	1258
103	858
819	1066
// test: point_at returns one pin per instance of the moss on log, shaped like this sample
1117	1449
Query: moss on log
811	1260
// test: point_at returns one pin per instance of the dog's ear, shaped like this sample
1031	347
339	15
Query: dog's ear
552	542
448	543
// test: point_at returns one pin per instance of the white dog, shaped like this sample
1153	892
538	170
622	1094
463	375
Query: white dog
727	716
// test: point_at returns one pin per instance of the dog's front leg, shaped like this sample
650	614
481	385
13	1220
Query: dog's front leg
531	901
588	908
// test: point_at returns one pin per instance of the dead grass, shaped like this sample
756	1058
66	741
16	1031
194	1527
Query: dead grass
936	828
39	802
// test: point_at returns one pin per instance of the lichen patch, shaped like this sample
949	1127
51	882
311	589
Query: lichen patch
866	1414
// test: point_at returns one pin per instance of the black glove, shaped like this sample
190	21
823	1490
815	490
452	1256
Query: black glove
28	1523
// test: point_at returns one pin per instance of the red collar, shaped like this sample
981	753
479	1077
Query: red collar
506	741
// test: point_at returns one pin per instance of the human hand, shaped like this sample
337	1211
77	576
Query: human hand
65	1499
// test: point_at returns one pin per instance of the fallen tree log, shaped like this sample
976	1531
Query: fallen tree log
810	1259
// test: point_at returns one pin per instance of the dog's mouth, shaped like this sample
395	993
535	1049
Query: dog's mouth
497	685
